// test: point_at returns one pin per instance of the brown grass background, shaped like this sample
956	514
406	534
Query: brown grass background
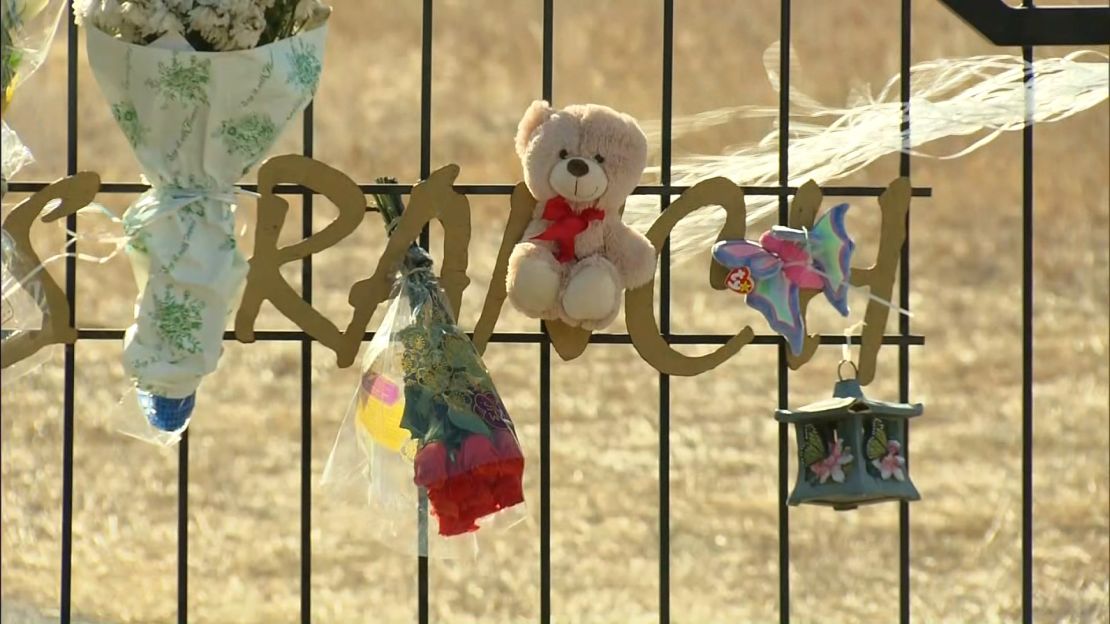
245	447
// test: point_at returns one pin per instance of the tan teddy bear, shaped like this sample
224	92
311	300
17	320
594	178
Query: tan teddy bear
577	256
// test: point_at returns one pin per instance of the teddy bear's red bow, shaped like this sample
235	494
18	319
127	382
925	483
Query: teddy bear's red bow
566	224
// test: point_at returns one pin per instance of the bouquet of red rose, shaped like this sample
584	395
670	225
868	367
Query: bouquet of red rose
426	426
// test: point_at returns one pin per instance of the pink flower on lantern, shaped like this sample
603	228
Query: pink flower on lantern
832	465
892	464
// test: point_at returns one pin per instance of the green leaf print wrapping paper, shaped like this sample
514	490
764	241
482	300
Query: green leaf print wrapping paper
197	122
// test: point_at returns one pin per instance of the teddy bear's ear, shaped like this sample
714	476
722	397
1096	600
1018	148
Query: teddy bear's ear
536	115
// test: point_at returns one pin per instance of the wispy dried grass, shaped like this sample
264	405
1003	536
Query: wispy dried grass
245	453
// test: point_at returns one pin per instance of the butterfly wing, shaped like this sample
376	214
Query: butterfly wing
736	254
776	298
876	444
813	447
831	249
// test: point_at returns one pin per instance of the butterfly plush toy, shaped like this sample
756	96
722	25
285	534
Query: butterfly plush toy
772	271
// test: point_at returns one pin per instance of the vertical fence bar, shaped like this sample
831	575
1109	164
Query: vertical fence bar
783	370
425	235
426	95
545	479
307	140
903	320
1027	339
183	529
548	65
70	351
665	324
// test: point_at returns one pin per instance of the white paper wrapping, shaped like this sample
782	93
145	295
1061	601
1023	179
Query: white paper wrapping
197	122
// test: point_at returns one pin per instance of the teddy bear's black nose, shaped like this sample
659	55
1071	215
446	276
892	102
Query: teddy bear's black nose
577	167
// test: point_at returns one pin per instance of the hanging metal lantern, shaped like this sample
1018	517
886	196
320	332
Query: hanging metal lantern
851	449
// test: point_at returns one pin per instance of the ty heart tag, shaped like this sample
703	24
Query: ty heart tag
740	281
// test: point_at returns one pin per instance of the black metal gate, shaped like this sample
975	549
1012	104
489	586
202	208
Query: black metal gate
1054	26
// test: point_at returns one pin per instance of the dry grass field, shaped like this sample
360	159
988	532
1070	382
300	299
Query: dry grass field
245	447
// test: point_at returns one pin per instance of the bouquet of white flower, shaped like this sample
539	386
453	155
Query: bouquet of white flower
201	89
208	25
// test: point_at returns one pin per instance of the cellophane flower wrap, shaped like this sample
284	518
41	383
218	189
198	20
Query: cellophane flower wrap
197	122
427	439
23	305
27	28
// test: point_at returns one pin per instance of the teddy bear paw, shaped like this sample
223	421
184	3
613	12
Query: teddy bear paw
592	294
534	286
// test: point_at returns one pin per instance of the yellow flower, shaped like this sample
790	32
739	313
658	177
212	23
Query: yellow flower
381	407
383	422
415	341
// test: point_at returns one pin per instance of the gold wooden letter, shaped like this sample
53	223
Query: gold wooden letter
522	204
75	192
639	302
434	198
895	204
264	280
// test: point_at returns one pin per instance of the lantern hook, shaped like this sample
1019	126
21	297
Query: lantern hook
840	370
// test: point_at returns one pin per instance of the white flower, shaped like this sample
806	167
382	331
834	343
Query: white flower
309	13
104	14
222	24
246	27
151	18
210	24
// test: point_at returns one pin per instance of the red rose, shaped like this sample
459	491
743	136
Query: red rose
508	491
449	528
458	503
512	459
448	512
480	503
430	465
478	456
443	502
483	478
506	443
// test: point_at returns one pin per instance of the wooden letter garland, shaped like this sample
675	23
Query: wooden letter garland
75	192
435	198
432	199
639	312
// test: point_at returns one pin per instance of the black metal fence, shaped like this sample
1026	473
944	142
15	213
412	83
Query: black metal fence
1056	28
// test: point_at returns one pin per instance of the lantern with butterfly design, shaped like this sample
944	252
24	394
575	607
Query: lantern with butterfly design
852	450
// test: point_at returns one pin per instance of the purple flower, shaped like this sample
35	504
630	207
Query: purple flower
488	406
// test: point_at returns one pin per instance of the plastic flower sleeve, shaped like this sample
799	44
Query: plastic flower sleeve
427	430
23	304
26	29
426	420
197	121
25	35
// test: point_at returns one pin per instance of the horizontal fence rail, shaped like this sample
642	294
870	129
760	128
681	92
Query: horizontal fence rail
500	189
